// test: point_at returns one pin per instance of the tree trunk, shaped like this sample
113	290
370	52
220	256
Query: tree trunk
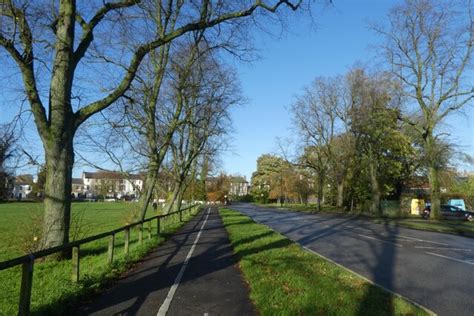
147	191
320	192
435	192
179	199
340	194
58	187
57	134
169	204
375	190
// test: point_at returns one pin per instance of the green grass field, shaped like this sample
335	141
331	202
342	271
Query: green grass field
53	290
286	280
16	218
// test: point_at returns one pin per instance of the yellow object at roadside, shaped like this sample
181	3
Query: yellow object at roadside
417	206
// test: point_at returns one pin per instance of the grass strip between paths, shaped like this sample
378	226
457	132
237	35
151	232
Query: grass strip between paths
284	279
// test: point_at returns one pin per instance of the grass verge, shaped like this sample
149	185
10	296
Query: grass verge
53	291
284	279
308	208
441	226
415	222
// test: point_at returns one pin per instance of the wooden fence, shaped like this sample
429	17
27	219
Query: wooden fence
27	262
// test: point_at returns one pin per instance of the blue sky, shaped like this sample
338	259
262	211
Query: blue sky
340	40
288	63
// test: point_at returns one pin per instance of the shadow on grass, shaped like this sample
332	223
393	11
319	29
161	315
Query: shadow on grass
88	287
158	272
382	254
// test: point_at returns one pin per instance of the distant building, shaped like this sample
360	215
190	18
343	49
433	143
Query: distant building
78	188
108	184
239	186
22	186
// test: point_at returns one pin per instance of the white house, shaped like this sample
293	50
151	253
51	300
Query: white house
239	186
22	187
109	184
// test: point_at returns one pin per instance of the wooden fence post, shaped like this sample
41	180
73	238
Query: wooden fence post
149	229
158	224
140	234
127	240
110	252
75	264
26	285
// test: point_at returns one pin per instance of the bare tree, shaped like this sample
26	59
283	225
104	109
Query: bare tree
428	45
49	32
209	92
316	115
7	151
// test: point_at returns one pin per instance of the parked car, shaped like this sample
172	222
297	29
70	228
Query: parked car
458	203
450	212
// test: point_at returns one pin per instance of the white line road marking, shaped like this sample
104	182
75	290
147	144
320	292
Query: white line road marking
444	248
422	240
373	238
367	230
166	304
450	258
430	312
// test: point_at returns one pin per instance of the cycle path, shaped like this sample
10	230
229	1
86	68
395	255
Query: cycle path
192	273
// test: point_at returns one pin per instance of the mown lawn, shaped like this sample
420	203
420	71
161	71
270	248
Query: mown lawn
53	290
286	280
17	218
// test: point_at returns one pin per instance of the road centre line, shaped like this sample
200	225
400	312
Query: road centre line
451	258
443	248
361	228
166	304
422	240
373	238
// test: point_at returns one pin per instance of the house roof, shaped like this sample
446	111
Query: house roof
112	175
77	181
238	179
24	179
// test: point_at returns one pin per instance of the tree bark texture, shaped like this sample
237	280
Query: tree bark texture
375	190
340	194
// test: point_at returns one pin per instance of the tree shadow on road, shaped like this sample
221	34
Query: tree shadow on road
379	245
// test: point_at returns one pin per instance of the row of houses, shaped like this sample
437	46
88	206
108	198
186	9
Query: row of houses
104	185
107	184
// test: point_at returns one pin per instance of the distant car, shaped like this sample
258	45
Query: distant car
450	212
458	203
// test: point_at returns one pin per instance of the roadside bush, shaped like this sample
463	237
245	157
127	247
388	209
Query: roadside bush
405	204
390	208
29	235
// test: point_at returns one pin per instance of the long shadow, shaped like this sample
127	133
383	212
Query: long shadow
68	303
374	301
153	276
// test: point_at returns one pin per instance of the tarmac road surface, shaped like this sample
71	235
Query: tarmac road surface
433	269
